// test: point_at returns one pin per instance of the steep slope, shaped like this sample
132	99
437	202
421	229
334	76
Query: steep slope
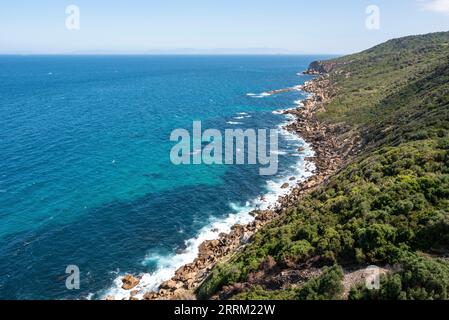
388	206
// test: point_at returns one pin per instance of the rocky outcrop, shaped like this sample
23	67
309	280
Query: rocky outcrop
273	276
285	90
321	67
129	282
333	145
189	277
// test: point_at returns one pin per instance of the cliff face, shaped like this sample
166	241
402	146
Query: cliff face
321	67
386	206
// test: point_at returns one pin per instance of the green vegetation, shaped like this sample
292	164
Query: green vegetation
328	286
391	204
420	279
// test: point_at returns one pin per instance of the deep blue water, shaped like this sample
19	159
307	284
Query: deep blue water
85	174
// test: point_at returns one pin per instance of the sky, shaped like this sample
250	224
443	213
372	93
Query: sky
212	26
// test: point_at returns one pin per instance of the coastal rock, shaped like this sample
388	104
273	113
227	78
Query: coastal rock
150	296
272	92
320	67
183	294
129	282
285	186
184	273
237	227
170	285
207	248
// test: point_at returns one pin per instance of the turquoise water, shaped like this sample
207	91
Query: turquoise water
85	173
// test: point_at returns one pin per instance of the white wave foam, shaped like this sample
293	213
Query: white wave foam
258	95
168	264
233	122
283	111
242	115
299	103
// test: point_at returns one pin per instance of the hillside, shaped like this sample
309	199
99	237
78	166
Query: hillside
387	205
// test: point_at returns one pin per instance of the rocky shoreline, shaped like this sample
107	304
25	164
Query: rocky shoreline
331	150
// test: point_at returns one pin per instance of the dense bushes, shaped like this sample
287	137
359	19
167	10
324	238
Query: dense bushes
370	213
393	199
328	286
421	278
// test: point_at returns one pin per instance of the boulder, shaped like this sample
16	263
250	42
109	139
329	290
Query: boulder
169	285
129	282
182	294
208	248
185	273
150	296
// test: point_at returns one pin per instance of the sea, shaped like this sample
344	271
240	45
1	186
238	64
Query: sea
86	178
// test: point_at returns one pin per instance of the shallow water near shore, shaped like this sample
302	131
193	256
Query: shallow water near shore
85	174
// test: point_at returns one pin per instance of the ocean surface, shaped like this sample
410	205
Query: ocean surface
85	171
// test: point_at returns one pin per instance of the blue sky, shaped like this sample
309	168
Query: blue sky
138	26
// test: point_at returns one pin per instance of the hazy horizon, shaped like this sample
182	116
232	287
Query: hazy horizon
197	52
205	27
